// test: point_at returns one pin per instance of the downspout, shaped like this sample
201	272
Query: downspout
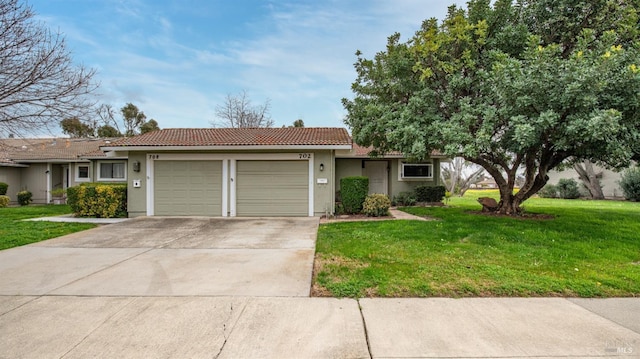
48	191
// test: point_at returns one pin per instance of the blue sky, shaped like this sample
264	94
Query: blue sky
177	59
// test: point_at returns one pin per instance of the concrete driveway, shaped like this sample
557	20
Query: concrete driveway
169	256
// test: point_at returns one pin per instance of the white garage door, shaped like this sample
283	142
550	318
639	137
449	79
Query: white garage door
272	188
188	188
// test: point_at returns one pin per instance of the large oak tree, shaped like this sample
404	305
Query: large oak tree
512	86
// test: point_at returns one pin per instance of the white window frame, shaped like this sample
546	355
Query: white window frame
109	179
77	172
402	165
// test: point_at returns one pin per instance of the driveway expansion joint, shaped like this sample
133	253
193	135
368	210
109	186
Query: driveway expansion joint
101	324
111	265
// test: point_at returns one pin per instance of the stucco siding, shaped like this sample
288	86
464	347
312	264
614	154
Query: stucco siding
398	185
11	176
346	167
324	193
137	197
34	179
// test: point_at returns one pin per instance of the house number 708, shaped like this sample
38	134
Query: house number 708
154	157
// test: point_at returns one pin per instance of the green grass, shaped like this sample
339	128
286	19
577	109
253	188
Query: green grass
588	249
14	232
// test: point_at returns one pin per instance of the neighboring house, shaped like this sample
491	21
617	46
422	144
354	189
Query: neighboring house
390	174
254	171
609	181
40	165
486	183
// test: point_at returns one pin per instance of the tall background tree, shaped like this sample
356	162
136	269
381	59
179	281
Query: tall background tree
133	119
590	178
237	111
459	174
149	126
510	86
39	84
75	128
105	123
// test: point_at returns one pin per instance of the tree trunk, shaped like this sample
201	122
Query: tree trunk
535	179
509	203
589	179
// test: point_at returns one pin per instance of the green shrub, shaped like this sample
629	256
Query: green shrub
24	197
630	184
58	192
548	191
405	199
568	188
427	193
3	188
4	201
98	200
353	191
376	205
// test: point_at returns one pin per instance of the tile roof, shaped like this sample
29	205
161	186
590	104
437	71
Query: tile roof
35	149
212	137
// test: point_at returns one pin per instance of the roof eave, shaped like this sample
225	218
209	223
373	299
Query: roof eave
226	148
391	156
49	160
18	165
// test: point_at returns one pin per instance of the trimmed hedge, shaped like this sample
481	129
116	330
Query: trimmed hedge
3	188
4	201
353	190
99	200
426	193
24	197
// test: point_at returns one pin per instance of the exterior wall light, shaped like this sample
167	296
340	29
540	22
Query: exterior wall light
322	167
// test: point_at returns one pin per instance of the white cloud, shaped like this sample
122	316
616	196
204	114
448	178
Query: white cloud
300	54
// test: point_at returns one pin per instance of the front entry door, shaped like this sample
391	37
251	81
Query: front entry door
378	177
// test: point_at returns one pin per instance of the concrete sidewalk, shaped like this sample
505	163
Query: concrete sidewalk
252	327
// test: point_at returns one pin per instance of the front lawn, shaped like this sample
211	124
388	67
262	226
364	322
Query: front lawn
14	232
588	249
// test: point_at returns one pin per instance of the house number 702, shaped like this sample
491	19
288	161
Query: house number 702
304	156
